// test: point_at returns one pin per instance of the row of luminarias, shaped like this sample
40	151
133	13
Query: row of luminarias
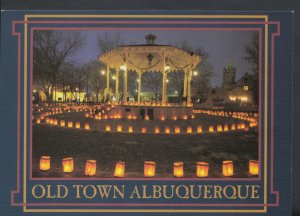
167	129
202	168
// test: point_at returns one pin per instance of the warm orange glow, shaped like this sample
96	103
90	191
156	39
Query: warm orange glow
178	169
227	168
45	163
162	118
156	130
70	124
149	169
211	129
243	125
202	169
62	123
68	165
239	126
47	120
120	169
246	128
90	168
130	129
233	127
167	130
184	117
146	117
119	128
189	130
225	127
144	130
253	167
134	117
51	121
129	117
107	128
177	130
192	116
219	128
38	120
55	122
199	129
77	125
86	126
175	118
87	115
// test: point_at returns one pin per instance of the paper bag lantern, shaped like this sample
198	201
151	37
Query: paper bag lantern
86	126
156	130
77	125
253	167
70	124
219	128
90	168
202	169
178	169
227	168
107	128
167	130
119	128
149	169
189	130
45	163
62	123
233	127
211	129
120	169
144	130
177	130
68	165
199	129
130	129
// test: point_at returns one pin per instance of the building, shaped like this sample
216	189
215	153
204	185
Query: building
233	92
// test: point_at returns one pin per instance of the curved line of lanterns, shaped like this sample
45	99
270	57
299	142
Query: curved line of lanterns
202	168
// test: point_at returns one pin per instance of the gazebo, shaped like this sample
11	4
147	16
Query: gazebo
149	57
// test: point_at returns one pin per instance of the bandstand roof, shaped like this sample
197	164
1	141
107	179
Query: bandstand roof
150	57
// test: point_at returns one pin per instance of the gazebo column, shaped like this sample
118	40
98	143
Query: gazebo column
117	84
164	82
139	86
189	79
185	83
107	78
125	85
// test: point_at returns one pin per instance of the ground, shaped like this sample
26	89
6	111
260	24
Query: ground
134	149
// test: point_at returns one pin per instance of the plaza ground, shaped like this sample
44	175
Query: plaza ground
134	149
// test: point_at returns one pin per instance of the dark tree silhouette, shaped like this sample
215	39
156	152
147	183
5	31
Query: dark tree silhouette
50	50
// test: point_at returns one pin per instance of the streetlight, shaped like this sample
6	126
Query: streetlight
103	72
123	67
113	77
195	73
167	67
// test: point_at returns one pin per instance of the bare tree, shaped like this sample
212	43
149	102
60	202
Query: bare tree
152	81
205	72
252	56
108	41
96	79
252	53
50	50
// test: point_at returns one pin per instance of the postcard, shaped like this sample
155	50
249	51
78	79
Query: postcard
146	112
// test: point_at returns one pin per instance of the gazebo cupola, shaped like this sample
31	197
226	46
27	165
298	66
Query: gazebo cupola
150	39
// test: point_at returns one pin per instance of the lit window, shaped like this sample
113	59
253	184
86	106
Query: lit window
246	88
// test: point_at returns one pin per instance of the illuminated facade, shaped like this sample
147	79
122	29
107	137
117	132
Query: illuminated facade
232	92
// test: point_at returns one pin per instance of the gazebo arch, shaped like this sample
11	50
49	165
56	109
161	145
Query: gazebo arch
150	57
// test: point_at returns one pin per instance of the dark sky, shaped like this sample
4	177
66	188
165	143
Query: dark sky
221	46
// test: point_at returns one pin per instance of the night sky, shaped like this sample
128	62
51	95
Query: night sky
221	46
